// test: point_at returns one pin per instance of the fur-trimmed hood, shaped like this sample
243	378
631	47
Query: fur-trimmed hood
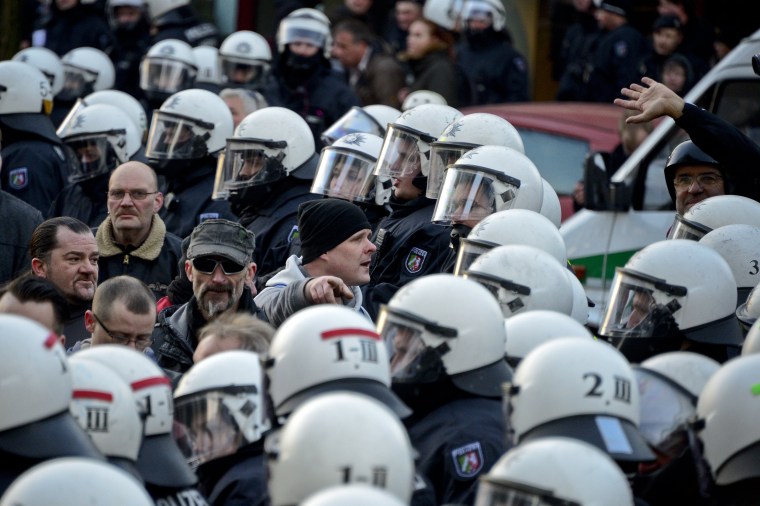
148	250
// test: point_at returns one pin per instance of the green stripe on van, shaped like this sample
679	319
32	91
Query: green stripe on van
595	263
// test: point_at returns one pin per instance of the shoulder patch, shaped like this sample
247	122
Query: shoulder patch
519	63
621	49
468	459
414	260
18	179
207	216
293	234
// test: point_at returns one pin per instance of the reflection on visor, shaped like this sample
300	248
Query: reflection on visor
499	492
400	155
466	196
354	121
167	76
685	229
443	155
237	72
344	175
76	83
665	411
469	251
296	34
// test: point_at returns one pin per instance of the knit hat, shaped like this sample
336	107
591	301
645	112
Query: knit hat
325	223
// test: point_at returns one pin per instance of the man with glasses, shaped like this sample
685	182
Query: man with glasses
133	239
692	176
123	312
220	266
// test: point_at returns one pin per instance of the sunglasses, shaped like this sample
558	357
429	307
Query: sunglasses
207	265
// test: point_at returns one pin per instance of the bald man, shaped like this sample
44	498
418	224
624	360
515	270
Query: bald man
133	239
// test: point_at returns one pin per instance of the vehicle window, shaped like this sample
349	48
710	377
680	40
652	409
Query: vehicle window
738	104
558	158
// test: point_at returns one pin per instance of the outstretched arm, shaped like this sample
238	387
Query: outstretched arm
653	99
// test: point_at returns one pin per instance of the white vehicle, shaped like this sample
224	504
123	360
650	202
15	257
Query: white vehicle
632	209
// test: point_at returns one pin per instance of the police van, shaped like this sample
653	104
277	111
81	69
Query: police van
633	209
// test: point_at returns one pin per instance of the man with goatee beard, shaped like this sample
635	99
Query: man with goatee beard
220	267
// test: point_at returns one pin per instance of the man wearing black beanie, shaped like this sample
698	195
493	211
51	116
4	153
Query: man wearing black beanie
335	257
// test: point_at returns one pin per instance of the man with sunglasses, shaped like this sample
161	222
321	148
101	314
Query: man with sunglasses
133	239
220	266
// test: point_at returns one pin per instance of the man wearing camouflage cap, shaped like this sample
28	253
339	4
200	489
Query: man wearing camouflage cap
220	267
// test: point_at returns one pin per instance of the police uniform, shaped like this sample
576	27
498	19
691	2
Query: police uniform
34	163
578	48
457	443
236	480
497	70
170	496
187	201
19	221
409	246
614	65
182	23
85	201
80	26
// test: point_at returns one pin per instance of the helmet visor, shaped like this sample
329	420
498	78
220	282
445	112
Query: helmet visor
356	120
468	252
633	310
477	10
685	229
665	411
215	423
302	30
511	296
174	137
400	155
345	174
77	82
90	156
252	162
238	71
468	196
443	154
167	76
500	492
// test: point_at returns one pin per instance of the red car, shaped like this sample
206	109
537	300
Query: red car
558	135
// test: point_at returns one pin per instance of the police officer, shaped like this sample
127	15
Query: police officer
303	81
34	162
408	244
245	60
486	55
457	425
187	133
75	24
129	23
267	172
177	19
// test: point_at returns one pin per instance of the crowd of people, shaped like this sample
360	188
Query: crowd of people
299	274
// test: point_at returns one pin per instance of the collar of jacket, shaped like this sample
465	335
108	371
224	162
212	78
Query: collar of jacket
148	250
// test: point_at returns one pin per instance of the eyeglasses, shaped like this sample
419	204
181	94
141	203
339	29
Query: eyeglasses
141	343
207	265
703	180
133	194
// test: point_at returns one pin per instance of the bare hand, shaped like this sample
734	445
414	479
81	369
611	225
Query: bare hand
653	100
327	290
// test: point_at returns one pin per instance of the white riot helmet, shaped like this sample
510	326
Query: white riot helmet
550	204
346	170
305	25
484	10
669	385
244	58
111	12
486	180
99	138
324	348
749	311
355	439
23	89
75	481
555	470
715	212
527	331
157	8
523	278
351	495
85	69
103	405
47	62
33	366
160	461
124	101
220	406
445	326
579	388
511	226
169	66
464	134
268	145
421	97
207	61
739	246
752	341
370	119
580	300
657	289
728	410
445	13
190	125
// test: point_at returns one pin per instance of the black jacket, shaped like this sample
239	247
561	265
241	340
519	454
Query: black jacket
81	26
236	480
155	262
614	64
86	201
498	71
435	72
182	23
19	221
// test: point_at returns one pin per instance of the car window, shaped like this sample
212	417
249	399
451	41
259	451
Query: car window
559	159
